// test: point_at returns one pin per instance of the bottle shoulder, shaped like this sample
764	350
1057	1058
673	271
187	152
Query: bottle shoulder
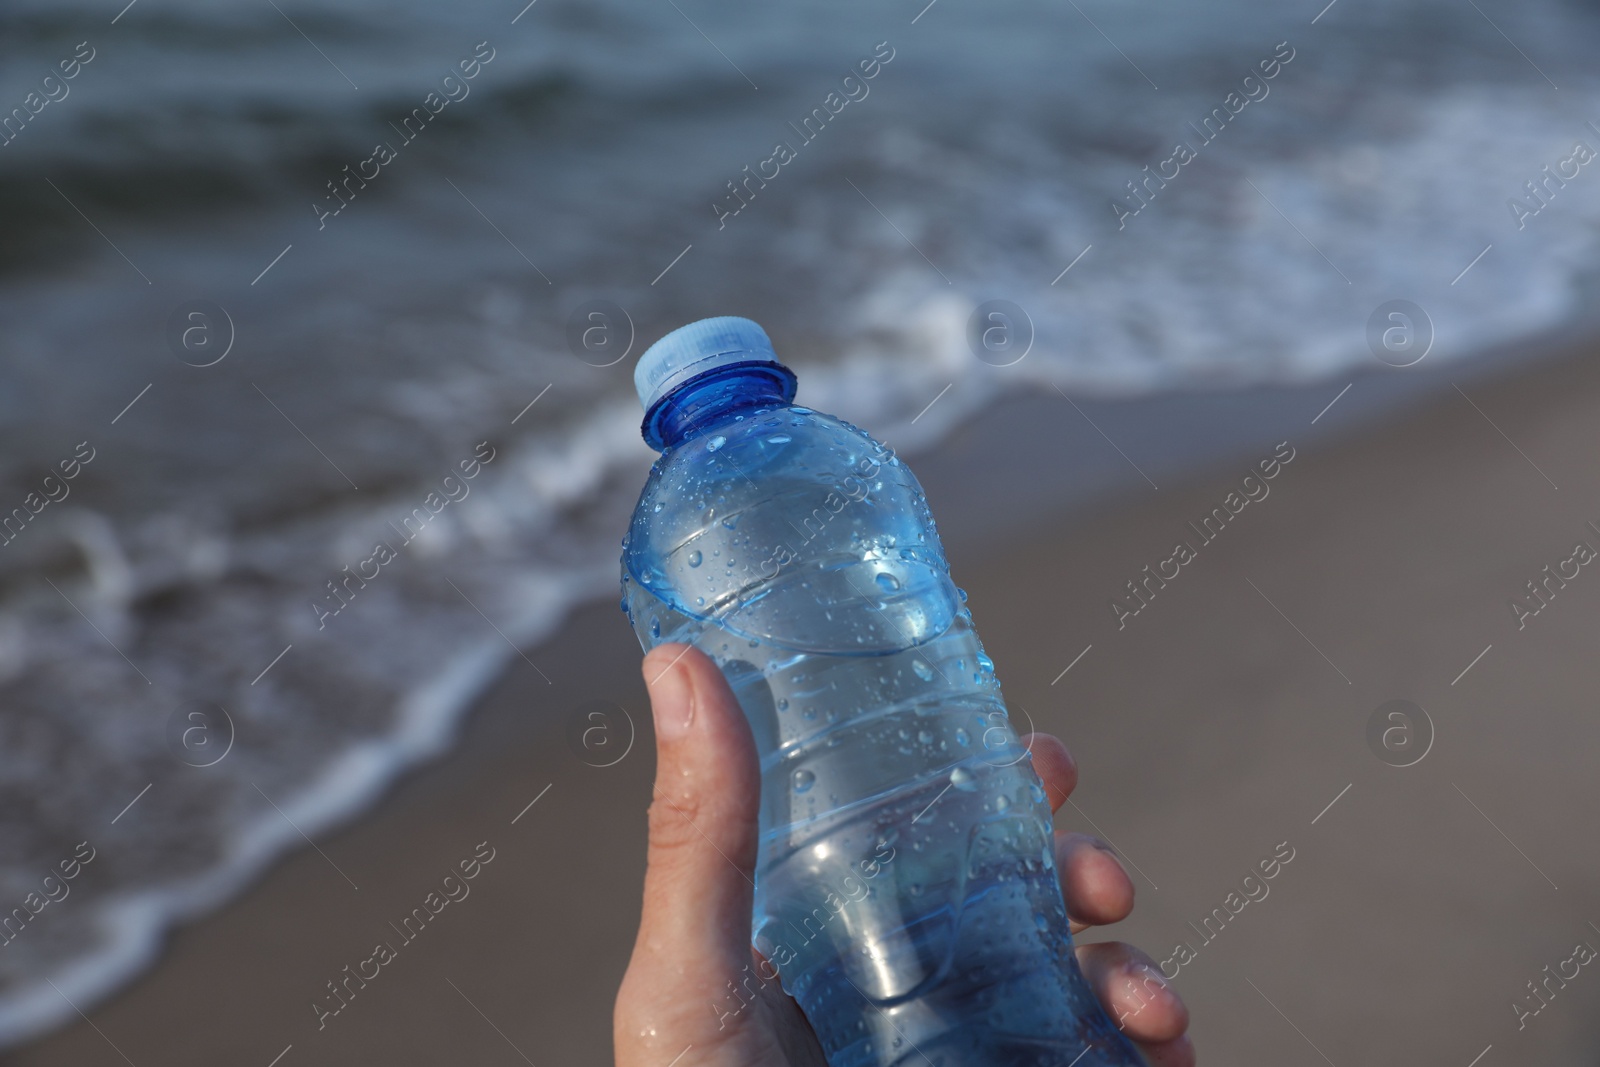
773	433
786	508
765	453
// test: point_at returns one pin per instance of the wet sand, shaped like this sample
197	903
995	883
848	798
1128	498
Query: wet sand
1227	720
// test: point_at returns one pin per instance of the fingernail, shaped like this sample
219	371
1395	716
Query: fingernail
672	703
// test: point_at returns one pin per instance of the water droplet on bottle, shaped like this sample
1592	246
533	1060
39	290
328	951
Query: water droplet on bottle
1002	802
963	780
700	602
716	443
779	439
925	737
783	705
1042	923
803	780
801	411
962	738
922	670
1036	791
962	593
694	559
730	522
888	582
655	629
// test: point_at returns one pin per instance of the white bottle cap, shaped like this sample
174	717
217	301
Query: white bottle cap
692	350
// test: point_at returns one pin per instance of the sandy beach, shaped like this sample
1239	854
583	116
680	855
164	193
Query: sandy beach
1220	718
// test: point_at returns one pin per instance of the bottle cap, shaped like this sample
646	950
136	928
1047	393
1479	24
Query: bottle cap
690	351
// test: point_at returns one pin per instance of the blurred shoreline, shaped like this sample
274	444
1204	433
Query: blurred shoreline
1400	461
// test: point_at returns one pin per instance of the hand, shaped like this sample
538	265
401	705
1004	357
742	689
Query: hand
677	1007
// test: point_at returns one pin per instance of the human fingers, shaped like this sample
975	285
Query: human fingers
1094	884
1140	1000
694	931
1055	766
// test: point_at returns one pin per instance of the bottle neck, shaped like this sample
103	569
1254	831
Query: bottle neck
704	402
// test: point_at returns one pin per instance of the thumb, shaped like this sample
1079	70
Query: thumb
703	813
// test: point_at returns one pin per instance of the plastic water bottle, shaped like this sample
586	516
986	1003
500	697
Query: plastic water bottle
906	890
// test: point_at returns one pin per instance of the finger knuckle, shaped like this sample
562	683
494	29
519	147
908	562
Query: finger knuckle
672	824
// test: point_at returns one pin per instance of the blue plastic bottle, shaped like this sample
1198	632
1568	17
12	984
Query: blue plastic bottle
906	886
